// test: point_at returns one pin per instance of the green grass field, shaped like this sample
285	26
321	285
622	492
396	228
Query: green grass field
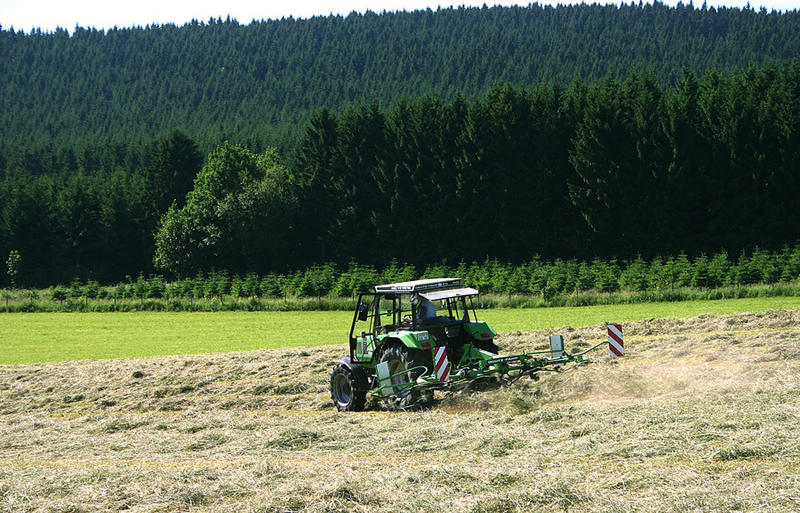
41	337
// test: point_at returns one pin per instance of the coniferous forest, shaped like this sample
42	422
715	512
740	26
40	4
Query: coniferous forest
457	135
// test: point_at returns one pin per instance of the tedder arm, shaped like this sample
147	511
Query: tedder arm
507	369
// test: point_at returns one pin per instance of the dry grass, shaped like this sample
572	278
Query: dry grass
703	415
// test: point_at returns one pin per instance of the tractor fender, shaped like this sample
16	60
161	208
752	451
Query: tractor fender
358	372
480	330
346	362
412	340
409	339
482	336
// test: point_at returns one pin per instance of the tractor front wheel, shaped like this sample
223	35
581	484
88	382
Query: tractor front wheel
348	388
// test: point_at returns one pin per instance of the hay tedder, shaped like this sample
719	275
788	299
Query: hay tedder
403	349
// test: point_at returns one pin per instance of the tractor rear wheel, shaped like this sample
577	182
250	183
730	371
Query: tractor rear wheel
401	358
348	388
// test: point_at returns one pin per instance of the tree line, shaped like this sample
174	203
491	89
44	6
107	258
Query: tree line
92	99
609	169
612	169
379	136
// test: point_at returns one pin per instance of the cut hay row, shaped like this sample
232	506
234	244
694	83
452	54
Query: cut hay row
703	414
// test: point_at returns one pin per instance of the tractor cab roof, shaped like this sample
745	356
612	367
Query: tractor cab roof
451	293
433	288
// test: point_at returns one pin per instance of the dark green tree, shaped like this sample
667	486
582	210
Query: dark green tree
239	216
176	161
619	161
318	177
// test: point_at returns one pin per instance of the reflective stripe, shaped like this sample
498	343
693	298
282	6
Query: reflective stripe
615	341
442	364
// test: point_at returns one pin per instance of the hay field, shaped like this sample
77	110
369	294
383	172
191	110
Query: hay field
703	415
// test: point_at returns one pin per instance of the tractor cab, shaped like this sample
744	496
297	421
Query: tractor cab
391	314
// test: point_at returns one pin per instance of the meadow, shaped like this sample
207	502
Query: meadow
41	337
703	414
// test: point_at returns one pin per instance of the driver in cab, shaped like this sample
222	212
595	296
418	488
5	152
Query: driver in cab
425	309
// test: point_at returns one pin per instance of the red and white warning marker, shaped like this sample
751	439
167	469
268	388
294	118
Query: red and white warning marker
442	364
615	341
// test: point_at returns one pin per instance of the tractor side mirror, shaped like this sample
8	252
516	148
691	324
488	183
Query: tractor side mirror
363	311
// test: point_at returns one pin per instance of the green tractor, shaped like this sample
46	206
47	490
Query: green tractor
403	348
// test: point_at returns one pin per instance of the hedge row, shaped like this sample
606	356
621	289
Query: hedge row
537	278
36	301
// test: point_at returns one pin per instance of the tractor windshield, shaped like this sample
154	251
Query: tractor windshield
455	303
